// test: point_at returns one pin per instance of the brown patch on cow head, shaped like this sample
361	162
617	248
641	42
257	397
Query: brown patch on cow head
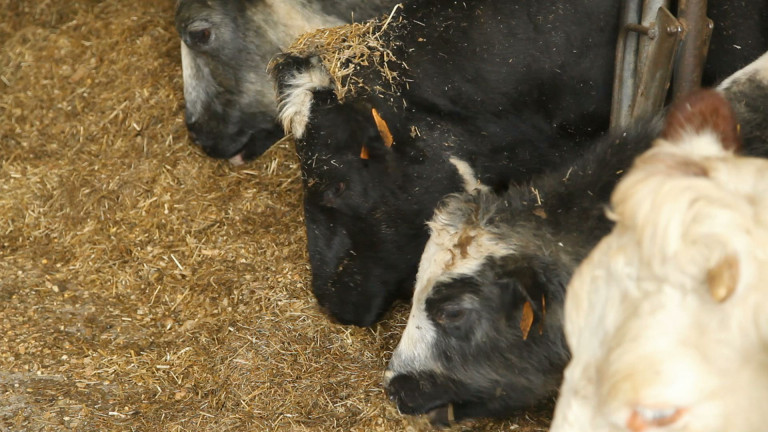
703	110
364	152
723	278
465	239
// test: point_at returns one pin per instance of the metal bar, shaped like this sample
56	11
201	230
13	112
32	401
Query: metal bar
693	52
625	70
656	72
648	13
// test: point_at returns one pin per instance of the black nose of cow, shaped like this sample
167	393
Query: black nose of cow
198	136
416	396
192	131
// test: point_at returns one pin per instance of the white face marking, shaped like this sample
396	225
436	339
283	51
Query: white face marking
296	104
198	84
454	248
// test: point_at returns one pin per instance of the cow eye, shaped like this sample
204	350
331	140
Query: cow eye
452	315
333	193
643	418
200	37
339	188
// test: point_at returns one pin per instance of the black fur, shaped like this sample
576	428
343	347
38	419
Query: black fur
514	88
505	87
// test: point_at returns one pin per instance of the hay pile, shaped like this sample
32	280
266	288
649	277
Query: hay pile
351	52
144	286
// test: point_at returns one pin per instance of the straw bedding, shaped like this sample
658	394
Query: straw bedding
144	286
352	52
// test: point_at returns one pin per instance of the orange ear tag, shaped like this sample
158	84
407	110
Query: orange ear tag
526	321
381	125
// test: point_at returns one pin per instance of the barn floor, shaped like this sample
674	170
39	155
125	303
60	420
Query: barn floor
144	286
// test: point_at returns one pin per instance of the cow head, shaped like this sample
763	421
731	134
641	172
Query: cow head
225	48
484	336
666	317
368	190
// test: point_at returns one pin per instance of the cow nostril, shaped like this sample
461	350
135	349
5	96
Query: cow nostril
192	130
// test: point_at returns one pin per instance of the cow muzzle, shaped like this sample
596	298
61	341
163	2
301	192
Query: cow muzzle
421	395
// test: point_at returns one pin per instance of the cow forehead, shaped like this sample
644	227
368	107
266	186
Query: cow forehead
455	249
296	18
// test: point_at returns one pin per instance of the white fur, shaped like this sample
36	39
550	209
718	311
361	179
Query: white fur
198	84
645	334
471	182
295	105
757	69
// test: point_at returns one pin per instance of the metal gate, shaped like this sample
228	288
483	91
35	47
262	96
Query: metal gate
656	50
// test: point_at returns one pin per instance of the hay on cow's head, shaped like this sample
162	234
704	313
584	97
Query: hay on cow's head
345	50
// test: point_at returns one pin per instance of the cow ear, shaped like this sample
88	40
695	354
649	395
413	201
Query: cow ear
524	297
298	80
723	278
699	113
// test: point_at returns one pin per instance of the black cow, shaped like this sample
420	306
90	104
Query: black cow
510	87
225	48
485	334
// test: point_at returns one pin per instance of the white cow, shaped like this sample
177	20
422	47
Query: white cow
667	318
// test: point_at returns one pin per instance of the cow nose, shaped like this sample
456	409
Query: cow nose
192	131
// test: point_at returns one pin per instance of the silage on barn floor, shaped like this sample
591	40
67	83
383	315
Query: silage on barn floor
143	285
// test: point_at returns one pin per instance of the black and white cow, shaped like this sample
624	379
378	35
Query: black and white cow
510	87
507	86
225	48
484	337
485	333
